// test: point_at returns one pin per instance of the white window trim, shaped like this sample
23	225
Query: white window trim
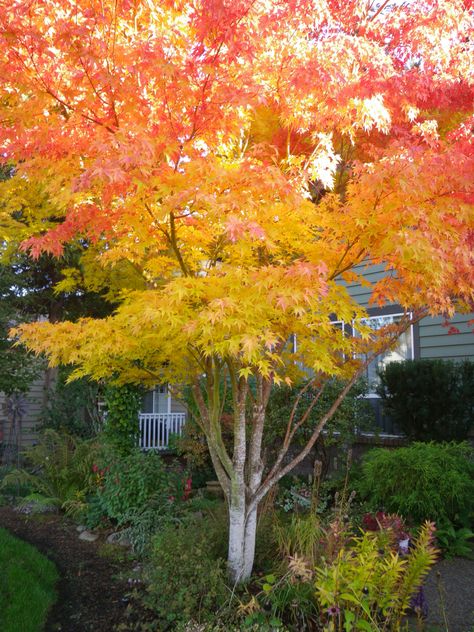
373	395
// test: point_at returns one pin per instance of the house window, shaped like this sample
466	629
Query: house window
404	349
157	401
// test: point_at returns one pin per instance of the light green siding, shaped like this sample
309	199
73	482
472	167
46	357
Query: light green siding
372	273
435	342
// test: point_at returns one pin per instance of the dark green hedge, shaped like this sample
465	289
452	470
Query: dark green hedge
430	400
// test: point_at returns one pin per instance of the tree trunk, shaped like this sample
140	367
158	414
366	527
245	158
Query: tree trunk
242	534
249	543
236	555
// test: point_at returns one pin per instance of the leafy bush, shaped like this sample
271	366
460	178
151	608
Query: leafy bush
59	470
294	498
328	579
455	542
186	577
424	481
354	412
123	407
284	600
136	491
129	483
11	487
430	399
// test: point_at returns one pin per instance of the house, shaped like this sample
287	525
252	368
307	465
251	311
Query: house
161	416
21	432
428	339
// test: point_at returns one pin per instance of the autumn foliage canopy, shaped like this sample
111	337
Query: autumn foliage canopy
244	157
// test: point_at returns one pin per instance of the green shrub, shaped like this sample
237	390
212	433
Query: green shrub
424	481
328	579
27	582
186	577
287	600
11	488
430	399
128	483
137	492
455	542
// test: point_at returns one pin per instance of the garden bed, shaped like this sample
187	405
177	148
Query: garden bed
92	596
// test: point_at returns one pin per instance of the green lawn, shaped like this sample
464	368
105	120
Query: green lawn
27	581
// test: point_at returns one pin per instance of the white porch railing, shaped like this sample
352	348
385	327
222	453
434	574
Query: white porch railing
156	428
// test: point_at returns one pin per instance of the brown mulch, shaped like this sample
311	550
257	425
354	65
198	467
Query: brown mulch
91	596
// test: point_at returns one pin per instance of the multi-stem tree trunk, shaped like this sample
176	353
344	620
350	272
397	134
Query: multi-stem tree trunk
244	477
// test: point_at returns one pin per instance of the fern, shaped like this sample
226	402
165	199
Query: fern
59	469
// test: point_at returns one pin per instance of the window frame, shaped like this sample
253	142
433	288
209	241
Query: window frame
387	313
159	389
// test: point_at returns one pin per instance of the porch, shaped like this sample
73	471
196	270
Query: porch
155	429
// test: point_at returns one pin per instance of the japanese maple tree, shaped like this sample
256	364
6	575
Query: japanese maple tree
248	158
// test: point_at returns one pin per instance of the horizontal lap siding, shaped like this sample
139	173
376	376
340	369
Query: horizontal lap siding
30	421
177	406
435	342
372	273
29	434
3	424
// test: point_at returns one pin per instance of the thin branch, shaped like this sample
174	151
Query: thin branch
379	10
275	475
174	245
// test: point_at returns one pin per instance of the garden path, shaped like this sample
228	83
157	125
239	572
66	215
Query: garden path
455	582
91	597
